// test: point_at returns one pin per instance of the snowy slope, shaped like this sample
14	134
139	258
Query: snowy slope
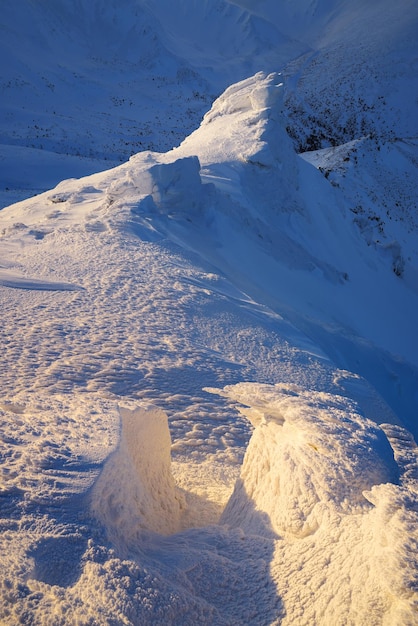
123	294
329	252
209	365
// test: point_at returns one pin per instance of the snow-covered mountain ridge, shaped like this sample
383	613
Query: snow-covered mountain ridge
93	82
314	235
209	374
155	282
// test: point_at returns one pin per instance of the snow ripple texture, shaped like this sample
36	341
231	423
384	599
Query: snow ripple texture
112	299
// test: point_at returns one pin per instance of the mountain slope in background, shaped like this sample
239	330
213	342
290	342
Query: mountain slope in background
93	82
237	303
89	82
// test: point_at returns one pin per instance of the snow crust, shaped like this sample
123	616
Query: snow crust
209	376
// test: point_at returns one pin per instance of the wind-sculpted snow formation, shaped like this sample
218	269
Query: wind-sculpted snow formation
327	481
135	491
313	453
147	284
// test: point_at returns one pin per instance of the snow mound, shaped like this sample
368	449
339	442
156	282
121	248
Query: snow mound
173	186
311	452
135	491
322	483
245	124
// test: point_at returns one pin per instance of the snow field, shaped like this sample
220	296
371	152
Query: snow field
183	273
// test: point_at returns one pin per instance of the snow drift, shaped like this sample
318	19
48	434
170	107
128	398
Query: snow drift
337	504
172	187
311	452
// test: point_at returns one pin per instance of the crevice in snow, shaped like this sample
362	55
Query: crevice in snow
310	453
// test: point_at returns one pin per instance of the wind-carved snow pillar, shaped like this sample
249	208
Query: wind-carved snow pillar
135	493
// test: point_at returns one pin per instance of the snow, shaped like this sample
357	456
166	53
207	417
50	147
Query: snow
136	490
312	470
209	373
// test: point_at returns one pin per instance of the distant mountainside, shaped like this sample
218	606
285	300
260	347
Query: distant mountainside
96	81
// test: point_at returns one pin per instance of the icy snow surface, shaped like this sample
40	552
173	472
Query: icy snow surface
209	371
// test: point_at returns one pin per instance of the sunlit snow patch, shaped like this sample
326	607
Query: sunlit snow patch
135	491
342	508
310	452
